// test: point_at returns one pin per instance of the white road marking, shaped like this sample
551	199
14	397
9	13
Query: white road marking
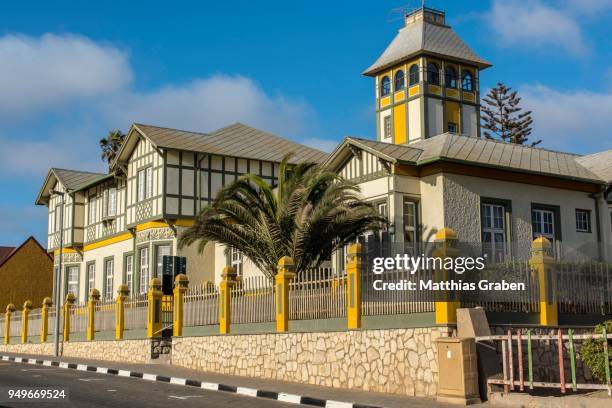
111	390
210	386
63	365
31	361
149	377
91	379
47	363
338	404
82	367
251	392
124	373
18	359
178	381
184	397
5	358
291	398
102	370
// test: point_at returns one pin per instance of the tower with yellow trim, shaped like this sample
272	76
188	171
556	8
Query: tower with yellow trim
426	82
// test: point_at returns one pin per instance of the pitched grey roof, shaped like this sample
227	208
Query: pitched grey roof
74	180
599	163
425	37
71	179
235	140
483	152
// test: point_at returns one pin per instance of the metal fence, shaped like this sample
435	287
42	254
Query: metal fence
201	305
135	309
35	322
584	288
15	330
78	318
518	271
252	300
104	315
317	294
386	302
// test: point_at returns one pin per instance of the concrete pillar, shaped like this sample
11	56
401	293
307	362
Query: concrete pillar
284	276
181	283
353	271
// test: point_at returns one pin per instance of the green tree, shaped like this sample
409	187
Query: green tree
502	118
110	145
309	215
592	351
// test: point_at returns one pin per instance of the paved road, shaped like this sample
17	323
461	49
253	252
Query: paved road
88	389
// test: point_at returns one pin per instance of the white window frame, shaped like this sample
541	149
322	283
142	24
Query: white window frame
408	203
387	128
140	180
159	258
72	282
110	202
586	221
58	218
109	278
91	210
492	231
143	269
129	271
540	216
149	178
91	276
236	260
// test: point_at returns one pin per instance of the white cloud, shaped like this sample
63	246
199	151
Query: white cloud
211	103
534	24
570	120
38	73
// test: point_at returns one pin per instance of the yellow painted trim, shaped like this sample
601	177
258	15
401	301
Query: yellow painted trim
434	89
184	223
468	96
106	242
399	96
414	90
452	93
64	251
399	123
386	101
149	225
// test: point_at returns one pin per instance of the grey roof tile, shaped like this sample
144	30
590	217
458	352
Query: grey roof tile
73	179
235	140
598	163
425	37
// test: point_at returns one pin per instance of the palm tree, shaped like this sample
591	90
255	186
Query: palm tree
309	215
110	145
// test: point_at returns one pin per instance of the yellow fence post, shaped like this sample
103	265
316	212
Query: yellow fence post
94	297
284	276
542	265
446	301
353	271
44	319
10	308
154	309
70	299
228	280
25	317
122	293
181	282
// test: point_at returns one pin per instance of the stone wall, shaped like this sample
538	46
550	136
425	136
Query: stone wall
126	351
545	354
400	361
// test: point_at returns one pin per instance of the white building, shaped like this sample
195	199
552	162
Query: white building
117	226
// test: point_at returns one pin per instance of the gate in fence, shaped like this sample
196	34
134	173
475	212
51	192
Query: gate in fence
519	366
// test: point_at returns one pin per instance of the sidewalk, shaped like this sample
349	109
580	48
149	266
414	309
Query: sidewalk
317	392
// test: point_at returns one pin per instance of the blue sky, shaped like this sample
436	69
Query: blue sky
69	72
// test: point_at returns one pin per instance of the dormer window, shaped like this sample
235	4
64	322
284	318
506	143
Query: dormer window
91	218
399	80
414	74
467	82
385	86
110	202
433	74
450	79
145	183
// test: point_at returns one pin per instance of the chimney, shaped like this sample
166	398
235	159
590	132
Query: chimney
426	14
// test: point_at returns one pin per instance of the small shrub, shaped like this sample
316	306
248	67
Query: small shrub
592	352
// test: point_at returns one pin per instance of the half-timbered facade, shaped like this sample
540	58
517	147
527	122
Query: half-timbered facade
117	226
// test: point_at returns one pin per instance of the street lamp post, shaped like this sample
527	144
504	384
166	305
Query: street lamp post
58	279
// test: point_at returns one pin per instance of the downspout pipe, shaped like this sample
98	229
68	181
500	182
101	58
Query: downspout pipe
596	197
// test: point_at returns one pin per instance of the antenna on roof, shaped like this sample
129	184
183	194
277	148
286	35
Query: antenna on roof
398	13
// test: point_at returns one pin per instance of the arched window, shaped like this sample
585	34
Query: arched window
385	86
467	83
399	80
433	74
450	79
414	74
